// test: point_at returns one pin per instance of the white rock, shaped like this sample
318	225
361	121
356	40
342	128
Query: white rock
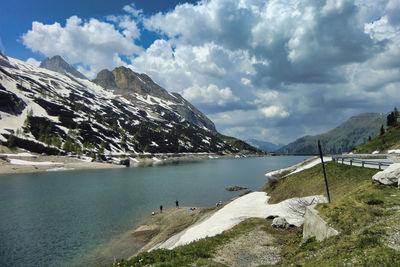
280	222
389	176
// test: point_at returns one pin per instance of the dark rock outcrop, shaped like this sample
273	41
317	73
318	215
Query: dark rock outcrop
10	103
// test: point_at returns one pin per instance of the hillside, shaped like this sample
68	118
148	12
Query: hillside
343	138
390	140
263	145
47	112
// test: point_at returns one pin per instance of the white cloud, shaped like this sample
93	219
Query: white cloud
210	94
133	10
287	61
33	62
274	111
94	44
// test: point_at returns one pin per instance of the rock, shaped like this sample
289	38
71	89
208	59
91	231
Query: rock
389	176
281	222
58	64
270	217
125	162
235	188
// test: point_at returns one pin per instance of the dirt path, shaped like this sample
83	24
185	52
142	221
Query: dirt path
251	249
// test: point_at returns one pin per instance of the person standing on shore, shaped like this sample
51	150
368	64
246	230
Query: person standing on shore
161	207
177	204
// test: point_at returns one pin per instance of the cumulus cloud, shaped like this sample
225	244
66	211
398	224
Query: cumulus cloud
93	44
274	111
210	94
273	70
33	62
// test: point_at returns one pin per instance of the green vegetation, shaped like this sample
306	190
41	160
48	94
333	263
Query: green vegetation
388	139
197	253
11	141
341	178
343	138
363	212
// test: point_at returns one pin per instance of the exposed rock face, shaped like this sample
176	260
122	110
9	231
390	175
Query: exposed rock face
58	64
10	103
389	176
129	84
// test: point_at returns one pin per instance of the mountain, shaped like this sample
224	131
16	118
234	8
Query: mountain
48	112
58	64
134	86
343	138
263	145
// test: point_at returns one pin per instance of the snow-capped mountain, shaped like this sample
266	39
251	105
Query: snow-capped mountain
49	112
59	65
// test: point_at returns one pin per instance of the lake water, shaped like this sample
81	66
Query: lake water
71	218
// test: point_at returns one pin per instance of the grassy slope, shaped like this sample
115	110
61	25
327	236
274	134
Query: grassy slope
361	210
389	140
341	139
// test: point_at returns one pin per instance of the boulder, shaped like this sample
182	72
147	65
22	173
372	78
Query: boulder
235	188
281	222
389	176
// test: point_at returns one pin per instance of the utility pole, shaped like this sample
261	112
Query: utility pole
323	168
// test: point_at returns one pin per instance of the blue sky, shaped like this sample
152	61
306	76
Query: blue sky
272	70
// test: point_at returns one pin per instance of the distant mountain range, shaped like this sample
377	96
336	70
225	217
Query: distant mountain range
342	139
263	145
54	109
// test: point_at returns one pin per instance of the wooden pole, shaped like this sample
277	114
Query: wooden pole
323	168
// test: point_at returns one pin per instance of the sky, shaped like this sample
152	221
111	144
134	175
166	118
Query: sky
271	70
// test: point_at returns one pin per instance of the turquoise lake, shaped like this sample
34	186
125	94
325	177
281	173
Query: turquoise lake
75	218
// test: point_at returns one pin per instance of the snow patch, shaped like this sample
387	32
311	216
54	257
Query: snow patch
298	167
33	163
253	205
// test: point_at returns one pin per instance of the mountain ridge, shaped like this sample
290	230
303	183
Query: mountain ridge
49	112
58	64
264	145
343	138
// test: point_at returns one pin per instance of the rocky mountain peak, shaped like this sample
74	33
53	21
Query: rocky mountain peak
124	81
58	64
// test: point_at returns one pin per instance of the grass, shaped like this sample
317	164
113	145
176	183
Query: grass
361	210
389	140
197	253
340	178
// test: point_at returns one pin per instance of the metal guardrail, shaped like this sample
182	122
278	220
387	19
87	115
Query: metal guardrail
362	162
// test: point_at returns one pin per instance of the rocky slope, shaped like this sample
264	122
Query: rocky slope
48	112
133	86
58	64
343	138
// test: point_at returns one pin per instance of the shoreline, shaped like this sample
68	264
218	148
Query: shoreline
154	236
20	161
